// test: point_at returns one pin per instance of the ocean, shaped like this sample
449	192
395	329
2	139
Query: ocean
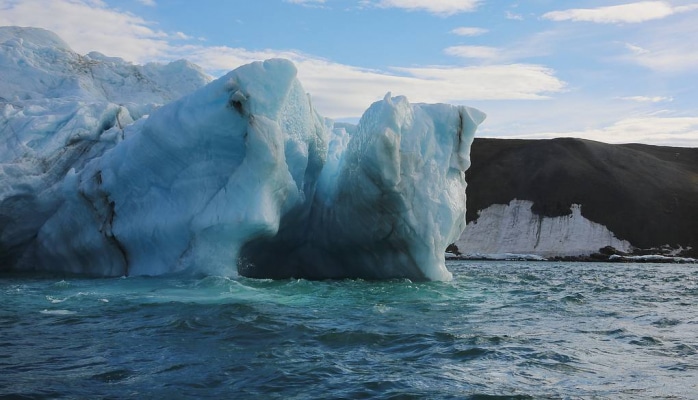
498	330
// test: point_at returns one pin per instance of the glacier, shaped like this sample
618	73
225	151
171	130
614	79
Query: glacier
513	229
114	169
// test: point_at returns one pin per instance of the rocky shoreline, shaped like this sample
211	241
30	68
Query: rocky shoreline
604	255
654	259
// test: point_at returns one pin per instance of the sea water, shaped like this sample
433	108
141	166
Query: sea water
522	330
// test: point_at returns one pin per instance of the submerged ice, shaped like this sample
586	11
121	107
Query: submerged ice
242	174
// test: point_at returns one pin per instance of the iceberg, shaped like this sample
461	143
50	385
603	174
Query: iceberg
387	204
240	176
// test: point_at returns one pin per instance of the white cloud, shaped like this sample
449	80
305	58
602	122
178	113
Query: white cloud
480	52
674	131
459	85
492	82
438	7
342	91
307	3
469	31
666	48
648	99
182	35
625	13
680	58
636	49
149	3
590	116
515	17
686	8
536	45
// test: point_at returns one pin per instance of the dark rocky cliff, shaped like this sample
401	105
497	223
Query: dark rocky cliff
647	195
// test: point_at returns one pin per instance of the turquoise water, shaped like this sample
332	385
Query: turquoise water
498	330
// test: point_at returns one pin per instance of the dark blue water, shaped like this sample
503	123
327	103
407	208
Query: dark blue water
498	330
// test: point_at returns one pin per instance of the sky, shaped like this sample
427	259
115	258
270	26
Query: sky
613	71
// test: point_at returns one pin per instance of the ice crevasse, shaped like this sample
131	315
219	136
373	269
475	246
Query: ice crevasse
244	175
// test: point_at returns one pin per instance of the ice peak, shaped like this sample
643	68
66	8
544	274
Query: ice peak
262	85
37	64
38	37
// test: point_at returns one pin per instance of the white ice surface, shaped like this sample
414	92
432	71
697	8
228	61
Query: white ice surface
200	177
241	166
501	257
389	200
37	64
58	110
514	228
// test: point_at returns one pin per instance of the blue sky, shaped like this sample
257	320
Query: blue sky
613	71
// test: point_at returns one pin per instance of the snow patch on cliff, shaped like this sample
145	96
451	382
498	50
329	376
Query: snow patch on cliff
514	228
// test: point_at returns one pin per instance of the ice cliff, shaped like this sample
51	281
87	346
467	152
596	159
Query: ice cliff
513	228
240	173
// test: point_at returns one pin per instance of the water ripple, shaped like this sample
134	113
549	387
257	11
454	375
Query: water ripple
511	330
